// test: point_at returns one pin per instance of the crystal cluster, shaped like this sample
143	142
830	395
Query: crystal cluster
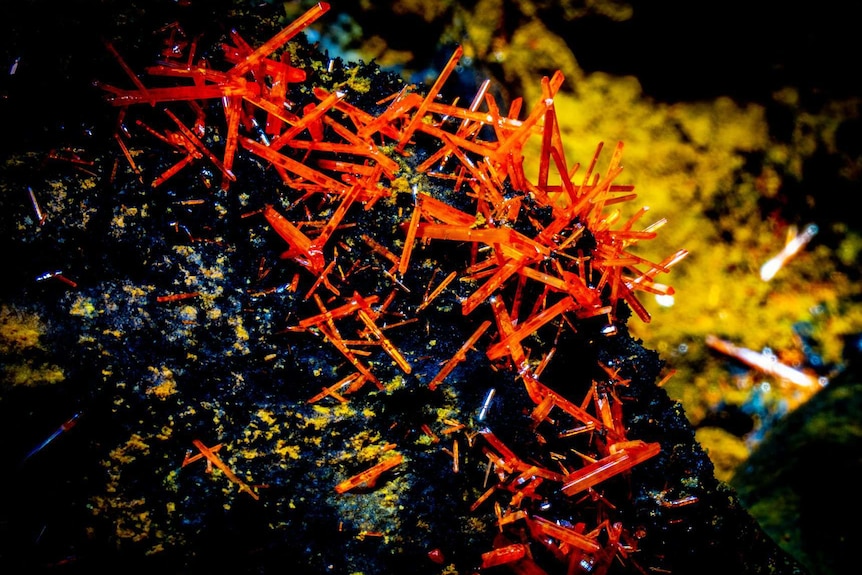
543	253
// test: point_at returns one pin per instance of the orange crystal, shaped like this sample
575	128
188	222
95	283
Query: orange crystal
370	476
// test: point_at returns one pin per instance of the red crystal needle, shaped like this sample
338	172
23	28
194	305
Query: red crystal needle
212	457
608	467
130	73
369	476
503	555
567	535
432	93
460	355
409	240
280	39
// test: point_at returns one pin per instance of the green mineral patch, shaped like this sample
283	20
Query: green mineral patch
163	382
127	452
726	450
20	333
18	329
32	375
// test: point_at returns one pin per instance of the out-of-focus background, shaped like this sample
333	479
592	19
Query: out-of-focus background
741	123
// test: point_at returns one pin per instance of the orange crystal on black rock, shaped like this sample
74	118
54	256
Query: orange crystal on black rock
541	254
